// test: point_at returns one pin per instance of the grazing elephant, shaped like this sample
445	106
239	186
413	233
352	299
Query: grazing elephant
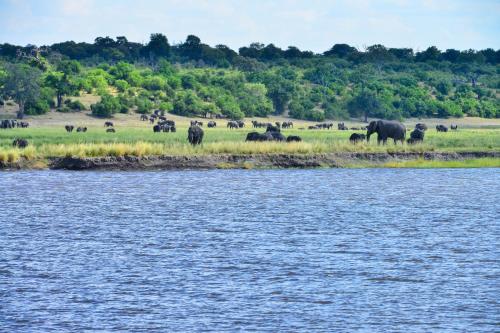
232	124
144	117
254	136
69	128
356	137
110	130
212	124
454	127
108	124
441	128
386	129
271	128
421	126
240	123
20	143
157	128
416	136
293	138
195	135
275	136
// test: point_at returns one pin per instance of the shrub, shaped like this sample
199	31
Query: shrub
64	109
36	107
74	105
106	107
121	85
144	105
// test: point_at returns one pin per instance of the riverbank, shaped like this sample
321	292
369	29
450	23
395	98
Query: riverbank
259	161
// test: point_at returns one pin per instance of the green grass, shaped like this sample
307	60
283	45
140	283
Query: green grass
55	142
425	164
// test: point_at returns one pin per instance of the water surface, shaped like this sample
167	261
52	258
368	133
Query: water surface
368	250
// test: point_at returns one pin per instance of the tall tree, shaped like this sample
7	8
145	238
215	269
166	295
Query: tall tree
158	46
22	84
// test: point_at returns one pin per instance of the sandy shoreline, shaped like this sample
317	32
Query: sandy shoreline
229	161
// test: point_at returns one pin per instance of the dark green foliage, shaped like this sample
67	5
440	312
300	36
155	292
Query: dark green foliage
106	107
193	78
74	105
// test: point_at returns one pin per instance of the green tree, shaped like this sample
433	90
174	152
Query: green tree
22	84
158	46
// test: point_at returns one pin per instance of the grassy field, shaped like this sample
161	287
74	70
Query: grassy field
56	142
48	138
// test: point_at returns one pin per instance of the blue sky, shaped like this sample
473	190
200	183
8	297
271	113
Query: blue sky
310	25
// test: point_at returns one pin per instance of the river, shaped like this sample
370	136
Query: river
368	250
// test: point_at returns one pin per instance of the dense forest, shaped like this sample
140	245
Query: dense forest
193	78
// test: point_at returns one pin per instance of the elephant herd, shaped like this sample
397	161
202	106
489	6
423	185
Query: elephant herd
12	123
272	133
388	129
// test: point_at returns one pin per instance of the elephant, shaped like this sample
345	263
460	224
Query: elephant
416	136
454	127
255	136
144	117
232	124
275	136
386	129
110	130
240	123
212	124
69	128
20	143
157	128
271	128
293	138
441	128
81	129
356	137
287	124
421	126
195	135
108	124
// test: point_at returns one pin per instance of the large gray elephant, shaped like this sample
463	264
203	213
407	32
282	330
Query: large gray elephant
386	129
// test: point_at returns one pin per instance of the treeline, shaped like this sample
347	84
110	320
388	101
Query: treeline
121	49
193	78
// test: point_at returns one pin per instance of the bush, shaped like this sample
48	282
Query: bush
64	109
166	106
74	105
36	107
144	105
121	85
106	107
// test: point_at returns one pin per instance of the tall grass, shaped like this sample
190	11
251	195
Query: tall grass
55	142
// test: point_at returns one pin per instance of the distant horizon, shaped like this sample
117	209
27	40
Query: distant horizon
145	42
311	26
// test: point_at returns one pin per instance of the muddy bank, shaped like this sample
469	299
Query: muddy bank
332	160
